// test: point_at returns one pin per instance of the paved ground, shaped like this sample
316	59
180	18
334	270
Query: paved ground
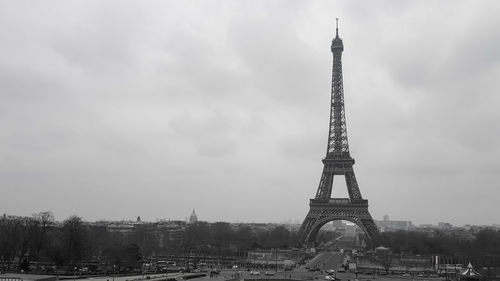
300	275
245	274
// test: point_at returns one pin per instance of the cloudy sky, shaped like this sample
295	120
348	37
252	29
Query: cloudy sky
118	109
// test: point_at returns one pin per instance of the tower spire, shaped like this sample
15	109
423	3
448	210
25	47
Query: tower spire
337	27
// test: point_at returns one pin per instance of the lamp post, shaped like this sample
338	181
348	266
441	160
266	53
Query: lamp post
276	260
253	264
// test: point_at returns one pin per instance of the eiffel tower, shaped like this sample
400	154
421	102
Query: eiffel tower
338	161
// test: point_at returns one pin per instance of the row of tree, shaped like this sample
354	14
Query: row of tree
451	247
20	236
37	238
73	242
221	235
445	243
40	239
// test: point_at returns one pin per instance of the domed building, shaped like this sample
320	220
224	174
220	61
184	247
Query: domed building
193	218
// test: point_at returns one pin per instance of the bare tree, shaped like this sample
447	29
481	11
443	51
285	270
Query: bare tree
73	234
27	228
8	240
44	221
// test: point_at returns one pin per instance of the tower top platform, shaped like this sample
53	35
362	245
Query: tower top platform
337	44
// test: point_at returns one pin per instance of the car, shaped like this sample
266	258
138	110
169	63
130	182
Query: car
269	273
235	267
330	271
254	272
329	277
406	275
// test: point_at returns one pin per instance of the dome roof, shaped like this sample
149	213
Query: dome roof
193	218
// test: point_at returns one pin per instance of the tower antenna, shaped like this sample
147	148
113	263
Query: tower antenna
337	26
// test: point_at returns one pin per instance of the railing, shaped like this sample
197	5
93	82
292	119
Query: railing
339	201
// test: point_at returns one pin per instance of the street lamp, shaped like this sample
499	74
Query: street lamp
253	264
276	260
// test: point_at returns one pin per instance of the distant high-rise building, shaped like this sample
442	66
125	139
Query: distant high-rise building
391	225
193	218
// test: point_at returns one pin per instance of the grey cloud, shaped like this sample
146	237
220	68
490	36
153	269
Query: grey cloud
170	102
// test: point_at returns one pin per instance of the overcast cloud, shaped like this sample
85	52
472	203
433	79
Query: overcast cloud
119	109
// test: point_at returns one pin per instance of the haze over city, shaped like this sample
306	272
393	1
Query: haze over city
118	109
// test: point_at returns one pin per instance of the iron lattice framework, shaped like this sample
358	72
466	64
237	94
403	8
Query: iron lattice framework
338	161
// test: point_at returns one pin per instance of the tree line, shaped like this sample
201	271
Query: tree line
74	243
222	235
71	243
481	246
41	239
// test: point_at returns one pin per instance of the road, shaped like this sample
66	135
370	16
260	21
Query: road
326	260
245	274
149	277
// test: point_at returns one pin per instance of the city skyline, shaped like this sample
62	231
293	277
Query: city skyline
117	109
383	223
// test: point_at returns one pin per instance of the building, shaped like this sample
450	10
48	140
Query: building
193	218
392	225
